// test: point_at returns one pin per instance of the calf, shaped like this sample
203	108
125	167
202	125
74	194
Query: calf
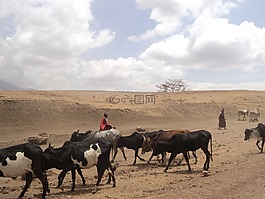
23	159
53	159
151	141
133	141
258	134
80	155
112	135
182	143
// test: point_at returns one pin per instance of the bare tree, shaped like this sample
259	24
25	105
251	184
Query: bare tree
173	85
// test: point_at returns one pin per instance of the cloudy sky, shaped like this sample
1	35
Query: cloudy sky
132	45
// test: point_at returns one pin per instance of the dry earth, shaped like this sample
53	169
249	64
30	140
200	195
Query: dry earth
237	171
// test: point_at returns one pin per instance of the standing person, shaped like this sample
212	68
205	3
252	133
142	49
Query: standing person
222	122
104	125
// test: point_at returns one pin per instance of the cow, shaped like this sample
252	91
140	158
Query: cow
156	136
24	159
81	155
112	135
182	143
258	134
53	159
254	115
133	141
242	113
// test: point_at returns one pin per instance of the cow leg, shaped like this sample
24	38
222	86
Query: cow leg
37	169
172	156
61	177
73	179
185	154
257	144
262	145
114	156
114	153
111	175
28	182
81	175
150	158
137	155
207	161
123	153
163	154
101	169
195	156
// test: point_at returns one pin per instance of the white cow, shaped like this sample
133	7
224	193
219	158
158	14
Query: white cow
254	115
242	113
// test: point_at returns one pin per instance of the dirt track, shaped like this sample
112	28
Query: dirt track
236	172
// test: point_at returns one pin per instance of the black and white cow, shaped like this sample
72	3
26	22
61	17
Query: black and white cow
80	155
23	159
258	134
111	135
183	143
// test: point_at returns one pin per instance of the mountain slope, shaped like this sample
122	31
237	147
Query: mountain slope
7	86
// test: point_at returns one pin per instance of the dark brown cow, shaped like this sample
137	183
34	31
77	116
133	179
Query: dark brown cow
151	141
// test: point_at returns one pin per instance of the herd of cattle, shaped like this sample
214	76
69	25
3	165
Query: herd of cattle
93	148
254	114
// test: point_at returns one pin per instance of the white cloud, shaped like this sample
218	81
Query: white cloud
46	41
50	34
124	74
170	14
212	43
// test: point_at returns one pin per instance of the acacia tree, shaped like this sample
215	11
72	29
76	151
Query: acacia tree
173	85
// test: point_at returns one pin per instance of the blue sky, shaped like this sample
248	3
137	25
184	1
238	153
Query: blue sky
132	44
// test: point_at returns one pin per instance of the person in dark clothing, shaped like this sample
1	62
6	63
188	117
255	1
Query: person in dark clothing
222	120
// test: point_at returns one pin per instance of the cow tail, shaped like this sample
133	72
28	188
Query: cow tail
211	149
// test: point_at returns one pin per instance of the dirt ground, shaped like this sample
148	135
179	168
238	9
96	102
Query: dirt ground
236	172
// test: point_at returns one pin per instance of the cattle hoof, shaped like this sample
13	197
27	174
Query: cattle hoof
205	173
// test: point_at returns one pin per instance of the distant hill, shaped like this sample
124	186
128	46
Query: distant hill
7	86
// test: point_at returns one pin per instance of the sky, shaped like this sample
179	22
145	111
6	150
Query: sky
132	45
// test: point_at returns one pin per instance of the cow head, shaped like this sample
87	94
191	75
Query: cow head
255	133
247	134
146	145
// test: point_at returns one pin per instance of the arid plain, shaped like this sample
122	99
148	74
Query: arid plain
237	170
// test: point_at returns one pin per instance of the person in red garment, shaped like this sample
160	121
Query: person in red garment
104	125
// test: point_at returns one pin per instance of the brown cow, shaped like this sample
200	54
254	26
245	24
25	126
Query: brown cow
151	141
